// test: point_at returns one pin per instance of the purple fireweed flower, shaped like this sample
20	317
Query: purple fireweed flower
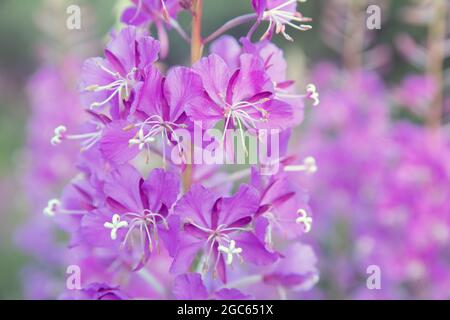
116	79
158	113
190	286
280	13
136	213
158	12
275	66
243	99
220	229
162	105
284	210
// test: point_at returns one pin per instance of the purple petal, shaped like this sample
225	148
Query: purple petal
271	4
197	205
92	74
297	270
132	17
151	100
253	250
243	204
187	251
252	79
161	187
241	223
170	236
272	56
114	144
184	90
259	6
123	185
215	75
121	52
228	49
189	287
94	233
280	116
148	50
194	231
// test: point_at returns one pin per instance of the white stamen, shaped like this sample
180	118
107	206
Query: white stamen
52	207
280	17
311	93
304	219
120	87
309	166
88	139
241	118
115	225
146	225
156	125
230	251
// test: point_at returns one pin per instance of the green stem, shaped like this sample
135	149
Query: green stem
435	61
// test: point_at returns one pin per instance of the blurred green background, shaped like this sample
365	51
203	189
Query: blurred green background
33	31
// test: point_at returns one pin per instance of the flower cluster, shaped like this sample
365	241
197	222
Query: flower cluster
386	203
382	189
144	220
45	169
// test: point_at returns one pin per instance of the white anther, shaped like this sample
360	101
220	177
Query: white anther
230	251
52	207
304	219
58	135
313	94
115	225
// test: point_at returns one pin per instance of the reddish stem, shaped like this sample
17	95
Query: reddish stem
196	54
